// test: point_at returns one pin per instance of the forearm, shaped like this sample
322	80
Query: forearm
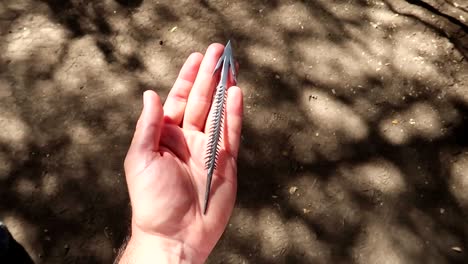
144	248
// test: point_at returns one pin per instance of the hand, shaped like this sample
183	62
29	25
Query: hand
165	168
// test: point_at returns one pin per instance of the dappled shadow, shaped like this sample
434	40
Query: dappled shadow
130	3
353	146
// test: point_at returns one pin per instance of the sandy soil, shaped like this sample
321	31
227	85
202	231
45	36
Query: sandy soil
354	147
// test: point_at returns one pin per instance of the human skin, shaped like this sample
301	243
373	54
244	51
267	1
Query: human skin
165	169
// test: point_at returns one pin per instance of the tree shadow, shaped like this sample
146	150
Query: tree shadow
130	3
352	135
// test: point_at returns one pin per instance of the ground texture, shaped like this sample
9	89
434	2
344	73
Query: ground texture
354	147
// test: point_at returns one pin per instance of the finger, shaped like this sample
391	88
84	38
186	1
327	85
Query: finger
147	133
209	119
233	120
199	101
174	106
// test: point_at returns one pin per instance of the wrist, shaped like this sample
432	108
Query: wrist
145	248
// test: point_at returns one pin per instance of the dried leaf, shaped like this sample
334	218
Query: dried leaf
457	249
293	190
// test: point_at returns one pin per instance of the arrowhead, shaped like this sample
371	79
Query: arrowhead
227	55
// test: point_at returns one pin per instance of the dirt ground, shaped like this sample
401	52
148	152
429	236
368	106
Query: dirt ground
354	146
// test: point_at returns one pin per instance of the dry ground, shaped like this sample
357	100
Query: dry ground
354	147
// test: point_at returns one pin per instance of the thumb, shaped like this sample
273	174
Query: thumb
147	133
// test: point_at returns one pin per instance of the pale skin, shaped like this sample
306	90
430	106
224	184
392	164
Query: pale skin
165	169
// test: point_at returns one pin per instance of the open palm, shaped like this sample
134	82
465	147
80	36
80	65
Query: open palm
165	167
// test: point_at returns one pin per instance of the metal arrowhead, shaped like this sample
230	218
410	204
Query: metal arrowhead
228	57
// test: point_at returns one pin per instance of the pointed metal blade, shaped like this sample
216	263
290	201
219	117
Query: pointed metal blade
227	55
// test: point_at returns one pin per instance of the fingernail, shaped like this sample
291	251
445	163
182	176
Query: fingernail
146	98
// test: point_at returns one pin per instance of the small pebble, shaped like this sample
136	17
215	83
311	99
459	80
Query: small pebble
293	190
